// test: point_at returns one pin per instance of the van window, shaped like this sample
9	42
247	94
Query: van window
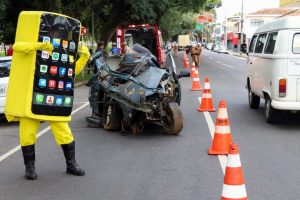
271	43
260	43
296	43
252	43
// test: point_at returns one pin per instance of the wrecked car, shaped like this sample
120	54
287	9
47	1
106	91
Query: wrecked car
129	92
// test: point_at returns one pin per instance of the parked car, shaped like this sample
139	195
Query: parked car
209	46
274	67
215	48
5	63
222	49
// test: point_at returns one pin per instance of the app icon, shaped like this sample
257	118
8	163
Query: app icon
55	56
59	100
70	72
46	39
68	85
43	68
53	70
42	82
65	44
62	71
45	55
56	42
60	85
50	99
39	98
72	46
52	84
68	101
71	59
64	57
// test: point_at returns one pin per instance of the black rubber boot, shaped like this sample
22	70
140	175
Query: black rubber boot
29	160
72	166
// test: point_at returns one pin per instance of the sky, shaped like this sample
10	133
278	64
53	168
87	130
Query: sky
234	6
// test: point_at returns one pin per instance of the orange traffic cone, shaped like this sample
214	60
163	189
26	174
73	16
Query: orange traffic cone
186	63
206	102
234	184
222	137
196	85
194	72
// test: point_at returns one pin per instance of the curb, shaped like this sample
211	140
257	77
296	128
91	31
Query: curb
80	84
238	55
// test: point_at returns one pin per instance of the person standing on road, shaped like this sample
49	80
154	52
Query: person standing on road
175	49
100	46
29	107
115	50
9	50
195	52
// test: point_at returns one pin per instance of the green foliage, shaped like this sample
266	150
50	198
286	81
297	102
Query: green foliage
109	14
175	23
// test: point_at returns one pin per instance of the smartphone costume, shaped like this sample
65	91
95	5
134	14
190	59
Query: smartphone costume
41	85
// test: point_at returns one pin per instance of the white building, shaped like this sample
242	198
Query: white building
252	21
258	18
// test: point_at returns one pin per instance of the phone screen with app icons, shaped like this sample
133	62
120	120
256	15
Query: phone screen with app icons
53	91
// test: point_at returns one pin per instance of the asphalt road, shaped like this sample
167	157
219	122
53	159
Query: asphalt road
154	166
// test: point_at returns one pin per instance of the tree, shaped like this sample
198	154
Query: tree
108	14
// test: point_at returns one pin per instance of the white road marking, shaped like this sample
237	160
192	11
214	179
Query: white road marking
211	127
17	148
210	58
219	62
228	66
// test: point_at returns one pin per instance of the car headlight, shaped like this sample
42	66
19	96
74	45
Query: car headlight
3	89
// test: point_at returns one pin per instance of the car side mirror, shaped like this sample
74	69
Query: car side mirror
183	73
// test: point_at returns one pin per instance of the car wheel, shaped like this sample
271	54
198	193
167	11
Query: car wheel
173	120
253	100
271	114
111	118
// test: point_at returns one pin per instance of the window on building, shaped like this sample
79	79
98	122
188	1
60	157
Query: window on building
260	43
256	22
271	41
251	47
296	43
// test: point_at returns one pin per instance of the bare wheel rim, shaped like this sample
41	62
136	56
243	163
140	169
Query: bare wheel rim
108	116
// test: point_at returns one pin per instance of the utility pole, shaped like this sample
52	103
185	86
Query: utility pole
93	31
225	30
242	22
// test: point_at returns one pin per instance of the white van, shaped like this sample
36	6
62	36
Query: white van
274	67
5	63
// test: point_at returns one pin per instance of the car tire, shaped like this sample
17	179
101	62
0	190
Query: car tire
111	118
271	114
173	121
253	99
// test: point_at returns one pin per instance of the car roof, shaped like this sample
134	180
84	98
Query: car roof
6	58
283	23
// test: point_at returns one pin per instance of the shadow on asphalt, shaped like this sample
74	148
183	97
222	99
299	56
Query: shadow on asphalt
150	131
287	119
5	123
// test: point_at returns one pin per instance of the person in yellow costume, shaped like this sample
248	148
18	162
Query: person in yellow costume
29	122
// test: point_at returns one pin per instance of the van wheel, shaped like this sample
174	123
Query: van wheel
253	99
271	114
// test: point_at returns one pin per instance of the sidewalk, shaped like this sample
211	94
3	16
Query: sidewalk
243	55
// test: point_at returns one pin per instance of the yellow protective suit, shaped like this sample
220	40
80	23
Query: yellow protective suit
60	129
20	89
